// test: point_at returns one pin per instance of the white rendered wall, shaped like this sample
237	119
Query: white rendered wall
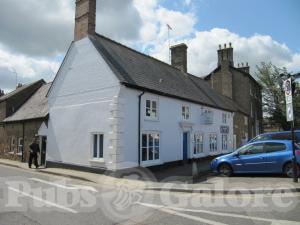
169	125
81	103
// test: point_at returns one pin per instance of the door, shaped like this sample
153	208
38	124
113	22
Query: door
276	155
251	159
185	145
43	150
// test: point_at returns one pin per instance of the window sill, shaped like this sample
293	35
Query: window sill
199	155
97	160
19	153
150	163
153	119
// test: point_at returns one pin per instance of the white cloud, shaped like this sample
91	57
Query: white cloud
202	51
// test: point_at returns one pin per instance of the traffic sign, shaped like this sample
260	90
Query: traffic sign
289	112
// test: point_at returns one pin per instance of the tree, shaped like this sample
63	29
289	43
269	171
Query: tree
273	97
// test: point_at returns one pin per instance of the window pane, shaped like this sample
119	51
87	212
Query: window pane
101	146
144	154
144	140
157	141
148	112
150	153
95	145
148	104
150	140
153	104
156	155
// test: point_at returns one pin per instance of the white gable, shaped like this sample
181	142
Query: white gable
83	70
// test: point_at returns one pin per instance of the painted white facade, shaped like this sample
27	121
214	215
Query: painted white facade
87	98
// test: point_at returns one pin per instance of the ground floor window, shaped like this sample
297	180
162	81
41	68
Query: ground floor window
198	143
224	142
213	142
20	145
98	146
150	146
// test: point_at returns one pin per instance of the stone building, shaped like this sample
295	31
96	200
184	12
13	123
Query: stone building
237	84
22	113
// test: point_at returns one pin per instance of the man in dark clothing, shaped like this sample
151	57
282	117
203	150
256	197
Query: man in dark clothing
34	150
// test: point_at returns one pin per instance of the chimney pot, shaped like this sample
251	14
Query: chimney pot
229	44
224	45
220	47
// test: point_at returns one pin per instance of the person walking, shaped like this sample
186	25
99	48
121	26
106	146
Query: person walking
34	150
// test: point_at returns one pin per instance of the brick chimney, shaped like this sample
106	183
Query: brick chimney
1	92
225	55
85	19
179	57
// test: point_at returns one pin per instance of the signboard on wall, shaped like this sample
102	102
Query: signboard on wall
224	129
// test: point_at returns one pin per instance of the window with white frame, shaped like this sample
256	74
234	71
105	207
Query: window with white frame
213	142
20	145
224	118
224	141
12	144
98	146
151	109
246	121
198	143
150	147
185	112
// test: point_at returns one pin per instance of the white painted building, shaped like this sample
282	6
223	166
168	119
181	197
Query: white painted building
113	107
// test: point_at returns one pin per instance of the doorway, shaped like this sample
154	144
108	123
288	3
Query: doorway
185	144
43	148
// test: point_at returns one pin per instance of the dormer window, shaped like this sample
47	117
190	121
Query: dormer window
185	112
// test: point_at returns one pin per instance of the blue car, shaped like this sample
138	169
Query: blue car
273	156
279	135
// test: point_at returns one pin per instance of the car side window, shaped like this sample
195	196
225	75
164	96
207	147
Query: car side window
252	149
297	137
274	147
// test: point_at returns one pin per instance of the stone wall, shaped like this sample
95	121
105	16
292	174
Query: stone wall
10	135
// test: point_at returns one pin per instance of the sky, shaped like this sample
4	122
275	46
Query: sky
35	35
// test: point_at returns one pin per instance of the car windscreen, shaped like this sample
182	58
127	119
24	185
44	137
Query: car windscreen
261	137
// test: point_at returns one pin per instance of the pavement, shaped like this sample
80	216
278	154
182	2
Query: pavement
29	197
144	179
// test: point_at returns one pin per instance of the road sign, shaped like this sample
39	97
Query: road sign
288	99
288	91
289	112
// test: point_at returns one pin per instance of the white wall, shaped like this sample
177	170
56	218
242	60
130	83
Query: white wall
80	103
86	97
169	127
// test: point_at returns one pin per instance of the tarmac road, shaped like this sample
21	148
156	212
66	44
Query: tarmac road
30	198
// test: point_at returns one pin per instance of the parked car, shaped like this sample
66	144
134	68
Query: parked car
281	135
273	156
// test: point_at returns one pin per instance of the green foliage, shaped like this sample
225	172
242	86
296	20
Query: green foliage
273	97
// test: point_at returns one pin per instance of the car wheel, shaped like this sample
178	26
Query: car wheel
288	170
225	170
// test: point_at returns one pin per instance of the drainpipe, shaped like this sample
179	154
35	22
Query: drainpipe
23	141
139	129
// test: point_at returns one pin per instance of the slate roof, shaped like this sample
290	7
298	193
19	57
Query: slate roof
34	108
18	90
140	71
